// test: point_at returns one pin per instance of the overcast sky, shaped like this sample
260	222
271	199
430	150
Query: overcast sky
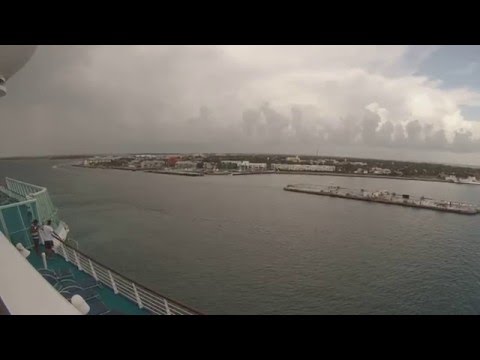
399	102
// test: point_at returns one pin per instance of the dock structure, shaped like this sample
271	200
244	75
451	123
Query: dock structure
385	197
175	172
253	172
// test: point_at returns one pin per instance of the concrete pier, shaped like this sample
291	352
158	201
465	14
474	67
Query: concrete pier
385	197
181	173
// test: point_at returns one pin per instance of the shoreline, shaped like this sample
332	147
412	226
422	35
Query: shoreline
268	172
365	176
317	173
179	173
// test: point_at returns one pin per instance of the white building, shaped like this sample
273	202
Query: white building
295	159
257	166
185	164
451	178
146	156
208	165
380	171
244	164
298	167
99	160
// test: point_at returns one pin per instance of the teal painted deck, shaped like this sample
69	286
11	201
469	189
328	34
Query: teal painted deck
116	303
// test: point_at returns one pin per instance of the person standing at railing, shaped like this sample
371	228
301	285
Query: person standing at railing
35	232
49	235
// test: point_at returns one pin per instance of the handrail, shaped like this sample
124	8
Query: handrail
11	193
30	192
39	188
17	204
138	293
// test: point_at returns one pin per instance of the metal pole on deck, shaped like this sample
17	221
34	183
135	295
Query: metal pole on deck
44	258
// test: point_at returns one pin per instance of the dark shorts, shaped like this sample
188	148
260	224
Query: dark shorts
36	241
48	245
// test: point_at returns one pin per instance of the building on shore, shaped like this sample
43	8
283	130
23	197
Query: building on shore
299	167
150	164
145	156
99	160
185	164
294	159
172	160
245	165
256	166
208	166
238	163
380	171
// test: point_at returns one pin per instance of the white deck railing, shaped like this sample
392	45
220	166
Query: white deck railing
139	294
44	205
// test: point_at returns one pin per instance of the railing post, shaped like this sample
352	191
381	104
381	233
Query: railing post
114	286
44	258
167	307
93	270
77	261
64	253
139	301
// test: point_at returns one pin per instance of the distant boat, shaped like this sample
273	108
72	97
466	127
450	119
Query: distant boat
469	180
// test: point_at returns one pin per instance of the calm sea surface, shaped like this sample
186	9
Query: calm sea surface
242	245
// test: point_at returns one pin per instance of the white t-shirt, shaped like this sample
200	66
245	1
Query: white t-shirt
47	233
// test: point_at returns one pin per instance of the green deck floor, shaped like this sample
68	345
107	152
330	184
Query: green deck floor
117	303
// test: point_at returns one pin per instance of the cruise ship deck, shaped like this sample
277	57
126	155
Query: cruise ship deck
70	272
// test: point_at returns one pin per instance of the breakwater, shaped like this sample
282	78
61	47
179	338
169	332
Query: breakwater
386	197
181	173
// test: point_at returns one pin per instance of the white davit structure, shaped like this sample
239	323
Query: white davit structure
12	59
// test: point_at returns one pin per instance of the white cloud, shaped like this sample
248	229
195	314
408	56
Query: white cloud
136	95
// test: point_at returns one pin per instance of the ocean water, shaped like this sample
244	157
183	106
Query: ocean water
243	245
